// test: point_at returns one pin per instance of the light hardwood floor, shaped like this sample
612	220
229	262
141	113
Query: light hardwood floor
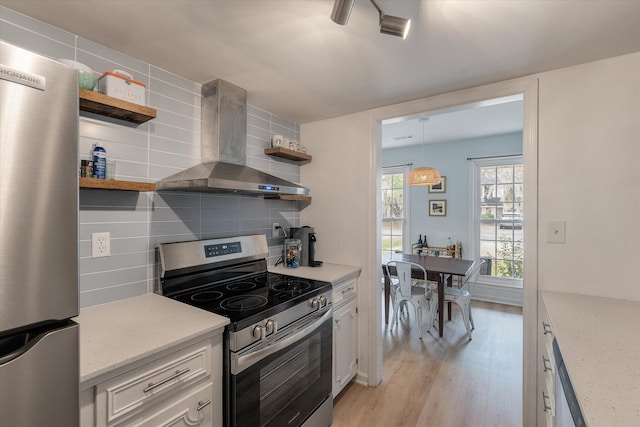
447	381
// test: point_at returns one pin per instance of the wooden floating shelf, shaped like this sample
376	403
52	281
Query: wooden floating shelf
287	154
295	197
113	184
98	103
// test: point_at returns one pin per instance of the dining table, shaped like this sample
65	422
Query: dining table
440	269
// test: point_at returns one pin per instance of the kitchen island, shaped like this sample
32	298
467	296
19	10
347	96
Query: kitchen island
600	343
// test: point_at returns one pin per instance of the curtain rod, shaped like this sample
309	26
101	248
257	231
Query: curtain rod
397	166
494	157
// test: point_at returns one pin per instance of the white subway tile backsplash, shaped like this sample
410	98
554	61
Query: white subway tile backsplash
138	222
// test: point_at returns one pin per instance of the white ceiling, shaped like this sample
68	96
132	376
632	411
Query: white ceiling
295	62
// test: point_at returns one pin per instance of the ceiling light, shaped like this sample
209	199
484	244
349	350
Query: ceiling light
391	25
424	175
394	26
342	11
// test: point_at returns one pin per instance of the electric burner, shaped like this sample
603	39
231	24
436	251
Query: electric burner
244	302
207	296
241	286
293	287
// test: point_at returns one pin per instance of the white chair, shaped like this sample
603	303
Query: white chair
459	296
408	290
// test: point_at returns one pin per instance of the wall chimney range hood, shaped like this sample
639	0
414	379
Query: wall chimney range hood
224	150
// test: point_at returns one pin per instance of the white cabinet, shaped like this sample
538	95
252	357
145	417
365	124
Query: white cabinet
345	352
546	394
345	334
182	388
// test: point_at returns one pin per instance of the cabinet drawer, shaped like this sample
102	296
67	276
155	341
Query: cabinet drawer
344	291
195	409
129	393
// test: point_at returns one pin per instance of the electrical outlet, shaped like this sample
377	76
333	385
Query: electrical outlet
100	244
275	231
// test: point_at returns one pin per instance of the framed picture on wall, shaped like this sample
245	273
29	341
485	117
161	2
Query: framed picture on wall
439	188
437	208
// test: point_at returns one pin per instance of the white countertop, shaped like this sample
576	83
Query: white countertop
120	333
599	339
327	272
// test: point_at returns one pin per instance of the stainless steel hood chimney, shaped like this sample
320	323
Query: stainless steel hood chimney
224	150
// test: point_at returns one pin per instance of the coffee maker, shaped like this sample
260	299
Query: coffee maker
307	236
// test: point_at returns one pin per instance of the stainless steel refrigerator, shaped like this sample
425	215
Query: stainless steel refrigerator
39	347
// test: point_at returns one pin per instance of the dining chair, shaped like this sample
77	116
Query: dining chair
408	290
459	296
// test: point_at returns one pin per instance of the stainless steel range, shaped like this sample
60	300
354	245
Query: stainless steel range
278	345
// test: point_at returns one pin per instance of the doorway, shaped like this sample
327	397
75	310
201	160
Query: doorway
527	89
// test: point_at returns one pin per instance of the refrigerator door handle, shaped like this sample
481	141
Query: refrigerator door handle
15	346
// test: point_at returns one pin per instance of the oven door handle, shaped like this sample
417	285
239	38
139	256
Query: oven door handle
242	362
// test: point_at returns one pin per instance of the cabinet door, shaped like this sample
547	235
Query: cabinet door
345	348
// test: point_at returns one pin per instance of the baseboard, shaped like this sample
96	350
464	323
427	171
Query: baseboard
496	293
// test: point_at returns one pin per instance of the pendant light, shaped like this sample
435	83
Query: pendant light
425	175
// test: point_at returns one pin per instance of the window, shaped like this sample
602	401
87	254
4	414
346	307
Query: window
394	209
498	194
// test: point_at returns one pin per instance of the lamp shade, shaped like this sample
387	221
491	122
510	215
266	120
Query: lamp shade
424	176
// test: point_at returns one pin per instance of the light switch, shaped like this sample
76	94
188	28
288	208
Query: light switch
556	231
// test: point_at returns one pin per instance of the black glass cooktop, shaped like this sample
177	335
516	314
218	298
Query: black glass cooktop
250	299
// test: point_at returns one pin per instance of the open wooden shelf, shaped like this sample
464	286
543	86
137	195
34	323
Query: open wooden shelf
98	103
113	184
287	154
295	197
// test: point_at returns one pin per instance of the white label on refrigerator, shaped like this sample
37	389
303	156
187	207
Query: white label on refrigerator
22	77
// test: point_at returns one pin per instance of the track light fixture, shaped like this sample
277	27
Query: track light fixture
391	25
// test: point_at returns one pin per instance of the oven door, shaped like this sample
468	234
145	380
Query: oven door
282	380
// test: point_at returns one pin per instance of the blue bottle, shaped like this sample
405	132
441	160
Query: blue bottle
99	162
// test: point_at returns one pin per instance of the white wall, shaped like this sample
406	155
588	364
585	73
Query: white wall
588	117
589	142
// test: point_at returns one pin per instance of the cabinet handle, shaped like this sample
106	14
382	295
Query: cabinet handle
151	386
202	405
546	328
348	290
546	364
545	399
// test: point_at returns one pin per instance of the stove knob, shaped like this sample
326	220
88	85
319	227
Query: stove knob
271	326
315	303
323	301
259	332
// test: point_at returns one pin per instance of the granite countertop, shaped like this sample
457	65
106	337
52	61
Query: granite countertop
120	333
327	272
600	342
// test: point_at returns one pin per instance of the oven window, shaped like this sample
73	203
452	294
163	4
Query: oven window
287	377
286	387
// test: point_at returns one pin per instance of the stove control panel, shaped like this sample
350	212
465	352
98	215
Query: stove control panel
222	249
